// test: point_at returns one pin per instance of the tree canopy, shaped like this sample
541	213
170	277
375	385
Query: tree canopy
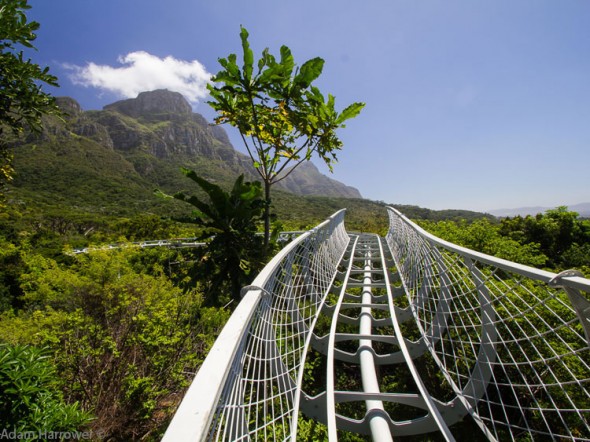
22	99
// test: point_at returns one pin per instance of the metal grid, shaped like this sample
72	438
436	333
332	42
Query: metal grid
510	342
373	313
258	401
247	386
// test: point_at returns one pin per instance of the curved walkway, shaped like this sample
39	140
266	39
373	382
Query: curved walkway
396	336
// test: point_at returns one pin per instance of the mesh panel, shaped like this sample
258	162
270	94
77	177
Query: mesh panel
513	348
257	400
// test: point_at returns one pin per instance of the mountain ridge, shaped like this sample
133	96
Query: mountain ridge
178	138
108	162
133	146
582	208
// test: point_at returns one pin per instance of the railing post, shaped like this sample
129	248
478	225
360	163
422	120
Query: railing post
483	369
580	303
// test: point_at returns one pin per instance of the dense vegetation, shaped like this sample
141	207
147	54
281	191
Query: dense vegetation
124	328
127	327
556	240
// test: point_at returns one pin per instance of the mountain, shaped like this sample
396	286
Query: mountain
306	179
112	159
583	209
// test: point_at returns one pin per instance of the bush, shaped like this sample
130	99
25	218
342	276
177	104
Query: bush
30	399
124	338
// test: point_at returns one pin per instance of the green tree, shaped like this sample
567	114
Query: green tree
486	237
22	99
561	236
282	117
229	221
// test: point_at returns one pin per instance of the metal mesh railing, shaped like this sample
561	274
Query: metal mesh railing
247	387
510	340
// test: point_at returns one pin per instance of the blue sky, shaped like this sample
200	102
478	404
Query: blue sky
470	104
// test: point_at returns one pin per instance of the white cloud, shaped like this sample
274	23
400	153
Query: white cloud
141	72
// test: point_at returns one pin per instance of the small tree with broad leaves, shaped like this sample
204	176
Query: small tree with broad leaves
228	219
282	117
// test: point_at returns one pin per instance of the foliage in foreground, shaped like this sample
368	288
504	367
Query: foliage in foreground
30	398
124	338
22	99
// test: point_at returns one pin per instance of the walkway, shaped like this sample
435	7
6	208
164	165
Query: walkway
396	336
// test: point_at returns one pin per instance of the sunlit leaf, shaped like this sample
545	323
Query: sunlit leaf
350	112
248	54
310	70
287	61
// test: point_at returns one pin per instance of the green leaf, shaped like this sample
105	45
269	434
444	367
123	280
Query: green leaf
264	59
248	55
251	192
310	70
287	61
316	94
217	195
350	112
232	70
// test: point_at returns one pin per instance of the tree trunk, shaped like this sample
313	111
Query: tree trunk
266	215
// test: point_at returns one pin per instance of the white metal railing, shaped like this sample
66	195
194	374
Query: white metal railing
511	341
248	386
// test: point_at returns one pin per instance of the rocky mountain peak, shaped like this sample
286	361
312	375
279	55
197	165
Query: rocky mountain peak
68	105
157	131
307	180
161	102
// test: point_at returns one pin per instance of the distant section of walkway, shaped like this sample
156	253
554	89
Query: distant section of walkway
170	243
176	243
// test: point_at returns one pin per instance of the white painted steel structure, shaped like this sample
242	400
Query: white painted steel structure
179	243
412	335
512	345
247	386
